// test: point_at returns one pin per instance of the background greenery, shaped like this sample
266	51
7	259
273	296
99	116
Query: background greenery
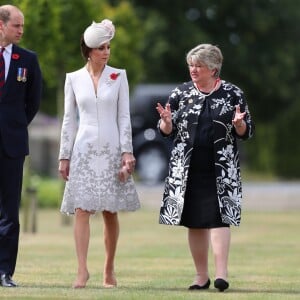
49	190
153	261
258	39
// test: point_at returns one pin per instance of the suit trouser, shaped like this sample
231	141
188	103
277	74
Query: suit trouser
11	176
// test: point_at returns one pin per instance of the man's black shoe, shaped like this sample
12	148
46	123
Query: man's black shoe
6	281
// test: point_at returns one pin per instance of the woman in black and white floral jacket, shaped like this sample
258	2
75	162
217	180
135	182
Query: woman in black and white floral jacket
203	191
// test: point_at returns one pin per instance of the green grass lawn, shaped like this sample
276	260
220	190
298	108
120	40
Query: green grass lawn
153	261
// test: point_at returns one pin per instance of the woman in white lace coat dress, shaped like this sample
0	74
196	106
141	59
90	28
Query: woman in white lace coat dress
95	156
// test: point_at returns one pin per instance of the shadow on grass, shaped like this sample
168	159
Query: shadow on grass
163	289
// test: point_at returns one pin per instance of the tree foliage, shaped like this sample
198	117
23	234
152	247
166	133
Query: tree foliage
257	38
54	27
261	56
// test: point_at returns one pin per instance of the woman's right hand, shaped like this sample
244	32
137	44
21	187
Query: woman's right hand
164	113
64	168
166	117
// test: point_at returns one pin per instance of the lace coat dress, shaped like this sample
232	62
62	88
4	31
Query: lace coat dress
96	130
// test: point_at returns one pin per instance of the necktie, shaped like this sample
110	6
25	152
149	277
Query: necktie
2	70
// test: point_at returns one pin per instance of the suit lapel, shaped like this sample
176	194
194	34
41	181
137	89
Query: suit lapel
14	63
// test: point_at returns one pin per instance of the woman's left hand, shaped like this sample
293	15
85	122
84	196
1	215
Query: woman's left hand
128	160
238	119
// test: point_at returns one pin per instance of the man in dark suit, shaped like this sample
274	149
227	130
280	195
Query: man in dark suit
20	94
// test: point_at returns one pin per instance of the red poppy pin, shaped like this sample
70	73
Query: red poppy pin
114	76
15	56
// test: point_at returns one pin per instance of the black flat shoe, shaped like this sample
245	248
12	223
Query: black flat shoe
6	281
200	287
221	284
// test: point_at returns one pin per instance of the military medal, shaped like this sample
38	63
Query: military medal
22	74
19	76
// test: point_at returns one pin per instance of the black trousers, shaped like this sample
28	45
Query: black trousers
11	176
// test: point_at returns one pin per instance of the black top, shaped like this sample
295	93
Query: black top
201	207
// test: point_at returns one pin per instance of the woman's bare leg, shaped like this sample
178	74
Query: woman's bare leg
111	235
199	245
82	237
220	241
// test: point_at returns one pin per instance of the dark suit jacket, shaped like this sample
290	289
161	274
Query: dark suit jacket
19	102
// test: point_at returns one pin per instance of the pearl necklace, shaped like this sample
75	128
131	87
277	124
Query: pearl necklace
214	88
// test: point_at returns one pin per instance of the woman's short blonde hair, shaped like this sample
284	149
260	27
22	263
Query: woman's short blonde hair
208	54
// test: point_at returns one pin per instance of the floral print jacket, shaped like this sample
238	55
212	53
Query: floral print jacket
186	105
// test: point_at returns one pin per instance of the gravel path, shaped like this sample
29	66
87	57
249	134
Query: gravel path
256	195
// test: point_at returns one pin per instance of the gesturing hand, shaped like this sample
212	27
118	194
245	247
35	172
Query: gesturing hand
166	118
164	113
238	119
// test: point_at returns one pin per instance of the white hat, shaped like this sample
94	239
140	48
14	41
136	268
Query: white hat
99	33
